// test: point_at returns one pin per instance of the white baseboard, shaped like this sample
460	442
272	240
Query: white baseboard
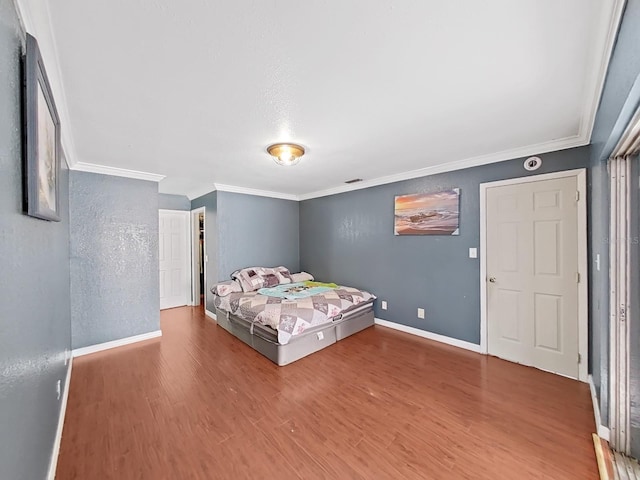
430	335
603	432
210	315
78	352
53	464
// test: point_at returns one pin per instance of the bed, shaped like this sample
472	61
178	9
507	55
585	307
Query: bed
289	316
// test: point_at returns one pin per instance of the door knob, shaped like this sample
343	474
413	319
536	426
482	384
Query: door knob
492	279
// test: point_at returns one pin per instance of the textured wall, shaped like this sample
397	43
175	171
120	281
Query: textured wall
247	230
114	258
173	202
256	231
210	202
599	281
348	238
620	97
34	290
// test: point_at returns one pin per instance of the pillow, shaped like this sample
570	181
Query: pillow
255	278
223	289
283	274
301	277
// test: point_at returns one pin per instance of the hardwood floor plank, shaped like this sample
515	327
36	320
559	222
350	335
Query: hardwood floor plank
199	404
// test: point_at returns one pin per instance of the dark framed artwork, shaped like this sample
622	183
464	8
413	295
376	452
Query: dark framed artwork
428	213
41	139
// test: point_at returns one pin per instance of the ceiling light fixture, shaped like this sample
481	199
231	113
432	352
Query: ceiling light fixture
287	154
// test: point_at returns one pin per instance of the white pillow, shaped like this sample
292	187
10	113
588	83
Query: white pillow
223	289
301	277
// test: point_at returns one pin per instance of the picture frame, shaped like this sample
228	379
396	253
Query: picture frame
41	139
436	213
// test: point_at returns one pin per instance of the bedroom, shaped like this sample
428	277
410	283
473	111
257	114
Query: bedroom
93	277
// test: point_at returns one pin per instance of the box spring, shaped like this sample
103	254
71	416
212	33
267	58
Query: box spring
265	340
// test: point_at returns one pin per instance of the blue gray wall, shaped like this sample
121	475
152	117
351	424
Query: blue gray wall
247	230
348	238
34	290
257	231
173	202
620	97
114	258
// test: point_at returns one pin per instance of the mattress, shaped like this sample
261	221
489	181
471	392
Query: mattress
291	317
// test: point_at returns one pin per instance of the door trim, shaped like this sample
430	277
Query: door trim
193	215
583	293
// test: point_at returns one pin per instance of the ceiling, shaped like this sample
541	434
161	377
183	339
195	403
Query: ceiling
196	90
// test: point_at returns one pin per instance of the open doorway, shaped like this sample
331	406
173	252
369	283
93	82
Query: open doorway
198	256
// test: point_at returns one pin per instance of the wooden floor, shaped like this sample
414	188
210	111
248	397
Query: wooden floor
199	404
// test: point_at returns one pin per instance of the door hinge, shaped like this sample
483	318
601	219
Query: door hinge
577	277
577	195
579	358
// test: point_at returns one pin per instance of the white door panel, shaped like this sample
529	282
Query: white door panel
175	268
532	265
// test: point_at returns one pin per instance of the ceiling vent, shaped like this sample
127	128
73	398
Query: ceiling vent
354	180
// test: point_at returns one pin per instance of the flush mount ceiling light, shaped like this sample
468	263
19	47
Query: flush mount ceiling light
287	154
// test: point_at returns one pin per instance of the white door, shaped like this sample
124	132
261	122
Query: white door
532	274
175	268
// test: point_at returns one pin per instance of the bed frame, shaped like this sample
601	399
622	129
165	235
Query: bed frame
264	339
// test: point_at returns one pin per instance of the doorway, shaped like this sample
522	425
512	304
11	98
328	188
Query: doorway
534	271
198	256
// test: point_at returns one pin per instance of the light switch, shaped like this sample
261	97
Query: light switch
473	252
384	305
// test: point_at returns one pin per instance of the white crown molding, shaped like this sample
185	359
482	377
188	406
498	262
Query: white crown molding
196	193
117	172
66	137
429	335
252	191
595	84
538	149
24	14
43	32
41	27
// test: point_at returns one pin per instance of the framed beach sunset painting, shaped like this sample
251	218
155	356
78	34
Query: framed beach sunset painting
428	213
41	139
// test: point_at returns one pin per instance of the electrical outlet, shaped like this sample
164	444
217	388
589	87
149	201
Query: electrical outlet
473	252
383	304
58	389
421	313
